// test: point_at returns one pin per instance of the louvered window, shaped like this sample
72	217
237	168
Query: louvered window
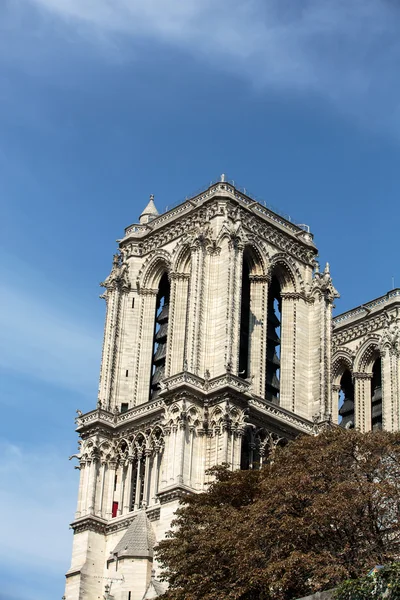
160	336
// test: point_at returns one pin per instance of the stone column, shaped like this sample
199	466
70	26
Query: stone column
202	452
112	466
225	431
180	450
287	396
122	471
138	479
92	485
234	301
335	402
257	332
142	376
191	438
172	456
85	488
238	449
81	489
176	350
166	458
147	454
362	401
99	511
128	485
390	388
111	297
157	461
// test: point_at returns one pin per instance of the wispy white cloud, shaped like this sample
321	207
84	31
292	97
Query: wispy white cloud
37	500
347	51
43	336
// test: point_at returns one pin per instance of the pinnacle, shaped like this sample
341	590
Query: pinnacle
150	212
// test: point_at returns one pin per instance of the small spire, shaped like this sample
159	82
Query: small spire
327	269
223	177
149	213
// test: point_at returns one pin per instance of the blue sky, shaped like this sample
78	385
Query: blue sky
104	102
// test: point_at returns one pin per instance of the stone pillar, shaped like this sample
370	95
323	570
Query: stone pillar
238	449
81	488
234	301
166	458
287	396
257	332
92	485
112	297
191	441
142	376
85	488
156	466
147	454
99	511
390	388
335	402
180	450
362	401
176	350
122	481
112	466
138	480
128	485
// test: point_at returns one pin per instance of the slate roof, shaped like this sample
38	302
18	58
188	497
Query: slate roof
138	540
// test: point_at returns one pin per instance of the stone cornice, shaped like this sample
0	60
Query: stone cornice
363	311
209	387
281	416
357	329
174	492
259	219
112	421
89	523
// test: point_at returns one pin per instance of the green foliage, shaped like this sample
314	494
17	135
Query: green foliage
385	584
324	510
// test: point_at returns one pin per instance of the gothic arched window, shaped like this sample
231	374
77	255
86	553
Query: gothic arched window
160	336
346	401
376	395
273	363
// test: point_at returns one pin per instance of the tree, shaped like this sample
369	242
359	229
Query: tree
384	583
324	509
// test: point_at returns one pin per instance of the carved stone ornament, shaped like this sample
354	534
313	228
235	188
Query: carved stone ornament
322	284
118	278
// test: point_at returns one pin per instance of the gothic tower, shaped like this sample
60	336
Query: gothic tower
217	347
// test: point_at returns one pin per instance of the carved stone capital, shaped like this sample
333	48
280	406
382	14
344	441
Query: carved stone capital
362	375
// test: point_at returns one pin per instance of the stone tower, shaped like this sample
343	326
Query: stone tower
366	365
217	347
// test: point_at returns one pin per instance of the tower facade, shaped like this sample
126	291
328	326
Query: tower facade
366	365
217	347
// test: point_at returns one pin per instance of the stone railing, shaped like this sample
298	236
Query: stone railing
113	419
366	308
224	188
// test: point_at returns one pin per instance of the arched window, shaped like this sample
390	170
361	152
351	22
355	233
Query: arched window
244	320
346	401
273	363
376	395
160	336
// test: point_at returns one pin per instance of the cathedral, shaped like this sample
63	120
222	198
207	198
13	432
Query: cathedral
219	345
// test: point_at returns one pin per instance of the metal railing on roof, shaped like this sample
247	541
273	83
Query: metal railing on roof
244	191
